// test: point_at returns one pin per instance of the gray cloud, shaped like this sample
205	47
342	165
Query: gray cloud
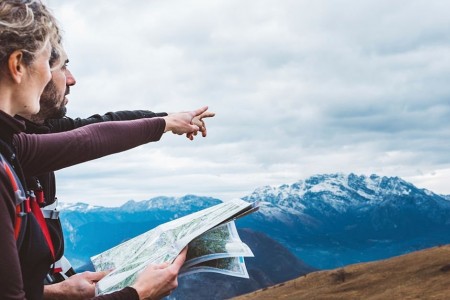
299	88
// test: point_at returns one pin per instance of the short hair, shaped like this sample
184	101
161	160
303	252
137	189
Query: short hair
27	25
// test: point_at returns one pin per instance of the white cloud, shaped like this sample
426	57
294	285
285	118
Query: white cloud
299	88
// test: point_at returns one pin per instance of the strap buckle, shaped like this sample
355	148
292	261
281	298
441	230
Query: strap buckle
50	214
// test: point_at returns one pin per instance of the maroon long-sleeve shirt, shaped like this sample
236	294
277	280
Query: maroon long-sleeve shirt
22	274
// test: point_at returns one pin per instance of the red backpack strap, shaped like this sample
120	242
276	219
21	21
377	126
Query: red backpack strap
25	205
22	203
36	210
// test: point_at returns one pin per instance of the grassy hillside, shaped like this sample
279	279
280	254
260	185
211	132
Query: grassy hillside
418	275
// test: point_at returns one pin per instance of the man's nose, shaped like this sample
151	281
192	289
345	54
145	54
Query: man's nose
70	79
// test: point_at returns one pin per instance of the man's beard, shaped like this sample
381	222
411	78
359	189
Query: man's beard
52	105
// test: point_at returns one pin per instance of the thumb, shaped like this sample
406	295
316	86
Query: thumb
95	276
179	260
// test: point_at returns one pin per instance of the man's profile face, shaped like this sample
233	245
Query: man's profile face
53	100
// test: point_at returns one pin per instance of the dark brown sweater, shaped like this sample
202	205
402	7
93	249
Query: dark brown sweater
22	275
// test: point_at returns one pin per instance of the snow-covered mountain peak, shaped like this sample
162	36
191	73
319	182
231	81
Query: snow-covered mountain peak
327	193
169	203
336	191
79	206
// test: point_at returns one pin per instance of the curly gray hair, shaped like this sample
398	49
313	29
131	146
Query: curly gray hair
27	25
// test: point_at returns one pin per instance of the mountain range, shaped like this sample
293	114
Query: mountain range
334	220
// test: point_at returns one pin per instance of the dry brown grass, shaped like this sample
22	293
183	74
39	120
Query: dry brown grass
418	275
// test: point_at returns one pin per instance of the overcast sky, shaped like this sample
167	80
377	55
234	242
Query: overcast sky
299	88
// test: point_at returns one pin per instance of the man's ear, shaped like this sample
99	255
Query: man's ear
16	67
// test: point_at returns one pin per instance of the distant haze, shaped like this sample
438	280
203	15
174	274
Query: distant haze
299	88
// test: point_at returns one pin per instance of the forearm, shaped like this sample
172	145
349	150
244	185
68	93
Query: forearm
55	292
127	293
50	152
60	292
65	124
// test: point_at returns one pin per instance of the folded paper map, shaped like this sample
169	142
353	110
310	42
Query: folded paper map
214	246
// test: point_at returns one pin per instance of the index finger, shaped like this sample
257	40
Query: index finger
207	114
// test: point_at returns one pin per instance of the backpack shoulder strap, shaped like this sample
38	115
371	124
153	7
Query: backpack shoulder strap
21	201
25	205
